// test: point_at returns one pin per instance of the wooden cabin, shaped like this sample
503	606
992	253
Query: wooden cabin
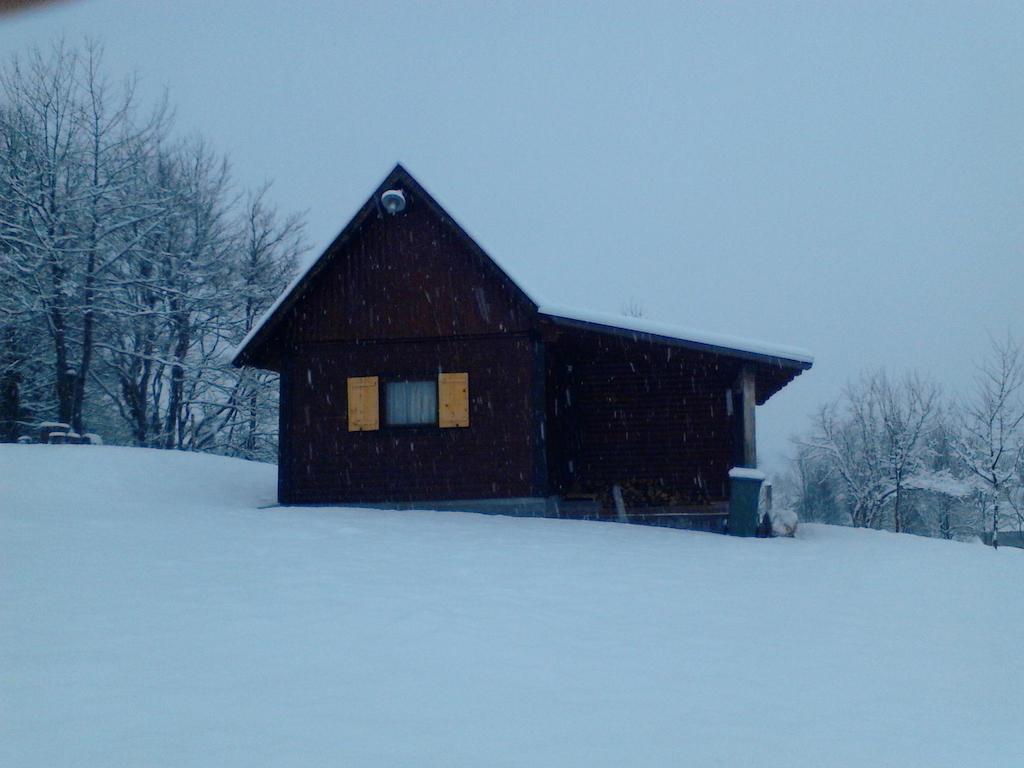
415	372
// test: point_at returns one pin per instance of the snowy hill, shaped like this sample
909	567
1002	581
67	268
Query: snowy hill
152	614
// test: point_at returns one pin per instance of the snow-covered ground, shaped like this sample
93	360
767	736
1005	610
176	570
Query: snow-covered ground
152	614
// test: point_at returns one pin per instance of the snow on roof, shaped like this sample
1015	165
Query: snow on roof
745	473
656	328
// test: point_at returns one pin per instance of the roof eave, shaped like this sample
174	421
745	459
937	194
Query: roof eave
767	359
293	292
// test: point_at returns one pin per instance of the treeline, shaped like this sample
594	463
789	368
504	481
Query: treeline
130	265
899	455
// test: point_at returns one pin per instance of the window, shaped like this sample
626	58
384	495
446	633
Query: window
443	402
411	402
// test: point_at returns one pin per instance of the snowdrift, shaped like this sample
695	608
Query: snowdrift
152	613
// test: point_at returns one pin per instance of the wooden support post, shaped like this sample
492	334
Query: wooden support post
620	504
745	480
749	398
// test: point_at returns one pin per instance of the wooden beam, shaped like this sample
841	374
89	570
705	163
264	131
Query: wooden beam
749	399
620	504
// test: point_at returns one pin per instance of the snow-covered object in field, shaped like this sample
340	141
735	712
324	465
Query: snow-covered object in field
784	522
746	473
46	428
92	438
151	613
641	325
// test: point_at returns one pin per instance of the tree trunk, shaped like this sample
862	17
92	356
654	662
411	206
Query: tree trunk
88	330
897	513
172	424
63	378
10	388
250	441
995	521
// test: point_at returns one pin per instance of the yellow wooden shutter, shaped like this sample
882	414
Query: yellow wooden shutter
363	404
453	400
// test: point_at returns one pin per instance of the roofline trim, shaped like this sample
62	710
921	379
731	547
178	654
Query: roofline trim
637	328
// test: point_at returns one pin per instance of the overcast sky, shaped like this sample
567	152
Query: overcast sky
846	180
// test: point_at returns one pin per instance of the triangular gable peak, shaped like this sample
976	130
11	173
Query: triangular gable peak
413	273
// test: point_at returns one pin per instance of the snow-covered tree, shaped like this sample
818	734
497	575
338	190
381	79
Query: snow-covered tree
269	248
71	144
809	487
129	267
941	494
873	439
990	440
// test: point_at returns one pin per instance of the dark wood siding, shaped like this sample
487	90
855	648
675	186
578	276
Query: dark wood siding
406	276
408	296
496	456
651	418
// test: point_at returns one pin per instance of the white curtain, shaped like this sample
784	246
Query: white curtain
412	402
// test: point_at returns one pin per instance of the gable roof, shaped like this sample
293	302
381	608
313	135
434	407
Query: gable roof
399	177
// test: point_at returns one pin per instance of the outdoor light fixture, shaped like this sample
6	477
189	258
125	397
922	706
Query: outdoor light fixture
393	201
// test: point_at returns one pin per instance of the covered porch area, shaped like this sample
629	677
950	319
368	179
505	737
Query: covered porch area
645	427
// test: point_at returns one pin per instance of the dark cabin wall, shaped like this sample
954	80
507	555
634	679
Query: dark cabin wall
406	276
494	457
650	417
407	296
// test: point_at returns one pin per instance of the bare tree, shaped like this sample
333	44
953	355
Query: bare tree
129	266
269	247
942	493
808	487
71	141
991	431
908	415
873	439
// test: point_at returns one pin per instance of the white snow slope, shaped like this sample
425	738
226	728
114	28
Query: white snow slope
151	614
